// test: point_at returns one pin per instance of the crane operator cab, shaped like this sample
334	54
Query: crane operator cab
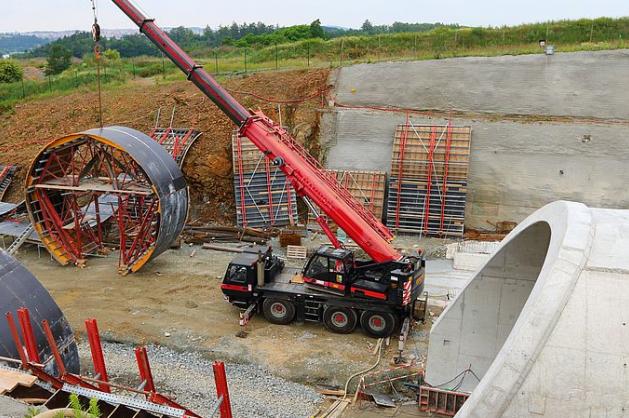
329	270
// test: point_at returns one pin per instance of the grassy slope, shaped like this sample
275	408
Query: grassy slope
579	35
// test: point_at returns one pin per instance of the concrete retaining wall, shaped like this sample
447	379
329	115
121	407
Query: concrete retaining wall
518	163
515	168
584	84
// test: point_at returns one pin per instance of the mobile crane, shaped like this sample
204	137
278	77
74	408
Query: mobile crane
333	287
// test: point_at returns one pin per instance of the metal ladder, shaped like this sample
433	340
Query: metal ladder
312	310
21	239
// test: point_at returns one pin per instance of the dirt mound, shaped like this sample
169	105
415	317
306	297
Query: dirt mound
208	167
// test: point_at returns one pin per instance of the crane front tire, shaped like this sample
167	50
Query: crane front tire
277	311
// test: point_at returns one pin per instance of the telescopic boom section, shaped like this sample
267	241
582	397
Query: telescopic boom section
304	172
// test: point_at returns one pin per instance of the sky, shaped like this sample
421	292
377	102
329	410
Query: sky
54	15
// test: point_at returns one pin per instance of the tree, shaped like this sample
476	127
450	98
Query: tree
58	59
316	31
10	71
367	27
112	55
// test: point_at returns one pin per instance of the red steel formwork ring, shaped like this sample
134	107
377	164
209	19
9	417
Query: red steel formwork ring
102	188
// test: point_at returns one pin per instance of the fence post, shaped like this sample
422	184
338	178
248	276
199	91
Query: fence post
222	390
163	67
308	52
245	60
415	45
76	77
23	89
276	61
215	62
50	82
341	54
133	67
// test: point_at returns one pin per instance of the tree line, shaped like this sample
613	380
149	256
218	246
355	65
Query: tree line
239	35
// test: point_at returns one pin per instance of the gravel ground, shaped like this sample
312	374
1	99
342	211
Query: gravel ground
188	378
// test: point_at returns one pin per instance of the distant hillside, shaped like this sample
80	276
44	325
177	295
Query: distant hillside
10	43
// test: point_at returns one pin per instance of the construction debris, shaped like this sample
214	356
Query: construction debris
201	234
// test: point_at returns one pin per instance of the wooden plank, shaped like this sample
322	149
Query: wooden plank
9	380
296	252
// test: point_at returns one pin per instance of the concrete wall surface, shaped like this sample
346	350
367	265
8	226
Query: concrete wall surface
584	84
543	128
545	322
515	167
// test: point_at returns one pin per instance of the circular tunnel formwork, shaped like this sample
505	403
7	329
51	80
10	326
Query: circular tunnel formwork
544	324
103	188
20	289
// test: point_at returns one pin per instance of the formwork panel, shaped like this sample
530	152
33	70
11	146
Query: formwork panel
367	187
6	177
264	196
176	141
427	190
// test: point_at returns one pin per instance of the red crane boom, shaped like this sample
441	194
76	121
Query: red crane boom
305	173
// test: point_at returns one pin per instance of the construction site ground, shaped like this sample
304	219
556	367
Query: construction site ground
175	302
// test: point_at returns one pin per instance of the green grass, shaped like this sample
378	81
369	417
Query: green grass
445	42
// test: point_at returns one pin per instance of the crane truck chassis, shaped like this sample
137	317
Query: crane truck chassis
333	287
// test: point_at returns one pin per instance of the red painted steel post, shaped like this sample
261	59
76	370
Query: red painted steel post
24	319
96	348
145	369
16	338
61	368
222	389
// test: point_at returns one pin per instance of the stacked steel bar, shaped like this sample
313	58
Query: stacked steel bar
177	141
367	187
6	176
264	196
428	183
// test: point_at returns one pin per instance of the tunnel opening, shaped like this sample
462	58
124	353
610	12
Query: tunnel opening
473	329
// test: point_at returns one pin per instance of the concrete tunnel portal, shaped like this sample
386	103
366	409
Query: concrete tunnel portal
543	324
489	306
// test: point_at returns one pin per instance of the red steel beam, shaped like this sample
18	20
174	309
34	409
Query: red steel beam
144	367
61	368
96	348
30	342
222	389
16	339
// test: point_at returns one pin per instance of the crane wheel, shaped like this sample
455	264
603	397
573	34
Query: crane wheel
340	320
277	311
377	324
